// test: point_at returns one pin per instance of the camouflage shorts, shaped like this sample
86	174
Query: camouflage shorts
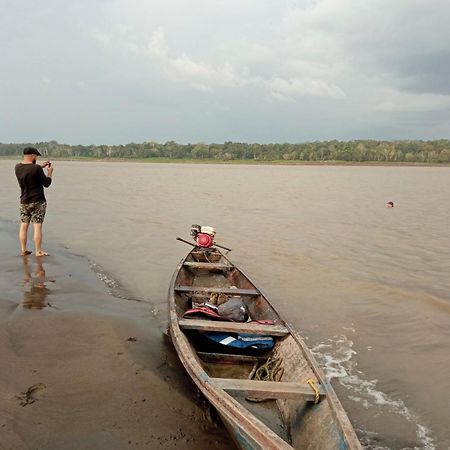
33	212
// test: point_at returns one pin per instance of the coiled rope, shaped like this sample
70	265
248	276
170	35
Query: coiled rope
271	370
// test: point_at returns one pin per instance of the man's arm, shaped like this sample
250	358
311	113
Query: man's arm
47	180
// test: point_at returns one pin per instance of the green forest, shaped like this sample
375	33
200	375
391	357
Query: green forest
413	151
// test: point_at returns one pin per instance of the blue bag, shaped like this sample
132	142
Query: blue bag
234	340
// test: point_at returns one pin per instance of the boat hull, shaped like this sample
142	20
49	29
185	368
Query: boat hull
304	424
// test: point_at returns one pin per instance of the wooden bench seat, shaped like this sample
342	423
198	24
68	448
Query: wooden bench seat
207	265
218	290
267	389
233	327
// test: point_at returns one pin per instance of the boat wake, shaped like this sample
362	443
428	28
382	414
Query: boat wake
335	356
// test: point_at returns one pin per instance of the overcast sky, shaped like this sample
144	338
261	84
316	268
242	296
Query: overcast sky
118	71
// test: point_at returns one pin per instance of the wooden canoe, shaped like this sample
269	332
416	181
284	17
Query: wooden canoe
286	415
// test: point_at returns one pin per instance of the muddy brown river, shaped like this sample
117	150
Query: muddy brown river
368	286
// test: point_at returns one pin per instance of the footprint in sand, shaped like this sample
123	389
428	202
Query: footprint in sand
31	395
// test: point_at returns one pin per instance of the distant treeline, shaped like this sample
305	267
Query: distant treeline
437	151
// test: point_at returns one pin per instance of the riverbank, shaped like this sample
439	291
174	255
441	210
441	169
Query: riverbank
84	369
251	162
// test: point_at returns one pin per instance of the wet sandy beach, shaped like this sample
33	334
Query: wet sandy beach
84	369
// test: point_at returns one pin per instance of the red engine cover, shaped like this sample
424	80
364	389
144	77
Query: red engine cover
204	240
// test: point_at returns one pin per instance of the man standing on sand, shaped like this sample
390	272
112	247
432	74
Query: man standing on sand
32	181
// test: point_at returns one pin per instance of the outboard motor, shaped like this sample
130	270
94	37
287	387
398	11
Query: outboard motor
203	236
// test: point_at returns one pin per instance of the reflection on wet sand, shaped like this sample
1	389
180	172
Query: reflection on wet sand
52	360
36	292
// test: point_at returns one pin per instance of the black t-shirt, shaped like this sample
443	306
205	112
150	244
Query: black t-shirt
32	180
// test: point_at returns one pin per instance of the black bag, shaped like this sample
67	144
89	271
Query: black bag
234	310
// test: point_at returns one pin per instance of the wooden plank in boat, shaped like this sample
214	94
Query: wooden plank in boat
219	290
267	389
233	327
206	265
230	357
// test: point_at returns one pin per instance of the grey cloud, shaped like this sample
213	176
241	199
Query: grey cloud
120	71
424	73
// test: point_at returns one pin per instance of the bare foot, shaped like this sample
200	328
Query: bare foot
41	253
26	252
